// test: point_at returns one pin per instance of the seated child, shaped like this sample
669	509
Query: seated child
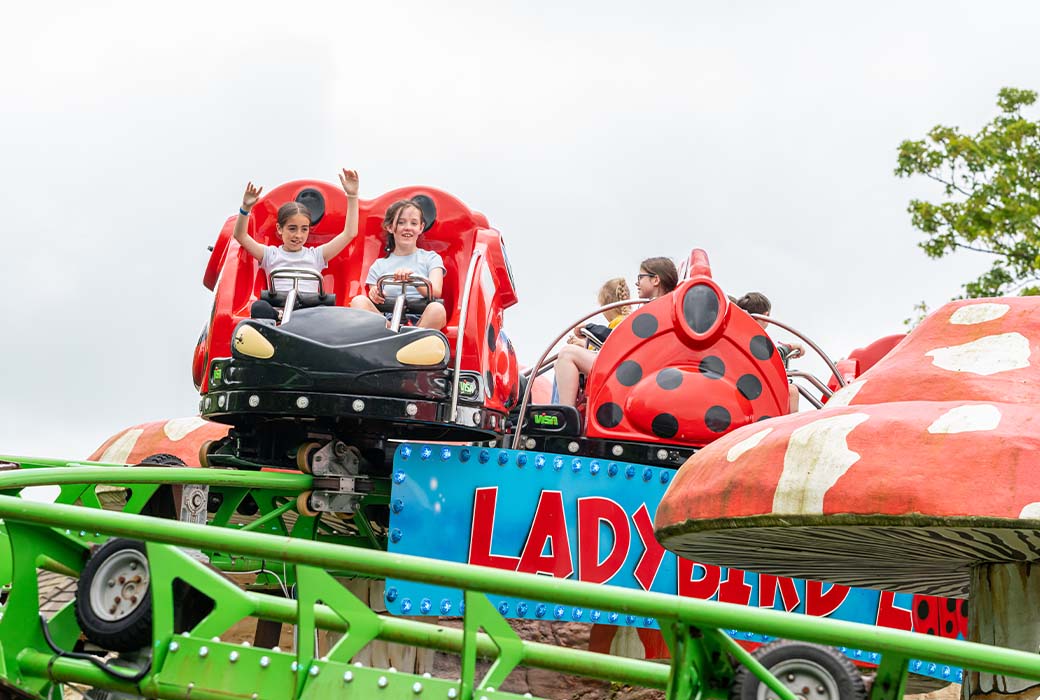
657	277
613	290
403	224
294	226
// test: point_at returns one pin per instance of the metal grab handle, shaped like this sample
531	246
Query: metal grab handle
295	274
414	281
812	379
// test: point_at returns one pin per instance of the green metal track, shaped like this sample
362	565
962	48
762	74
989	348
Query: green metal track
197	664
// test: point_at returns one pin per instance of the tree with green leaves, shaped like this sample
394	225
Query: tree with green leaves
991	182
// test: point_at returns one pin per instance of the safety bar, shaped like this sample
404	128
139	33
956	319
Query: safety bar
541	360
295	274
809	342
399	303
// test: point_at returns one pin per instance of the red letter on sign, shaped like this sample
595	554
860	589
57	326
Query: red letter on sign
734	589
767	586
888	615
548	528
653	552
703	588
591	512
482	530
820	604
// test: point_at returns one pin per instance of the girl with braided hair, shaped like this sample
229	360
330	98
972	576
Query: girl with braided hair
657	277
613	290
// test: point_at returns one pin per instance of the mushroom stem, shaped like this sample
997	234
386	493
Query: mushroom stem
1003	610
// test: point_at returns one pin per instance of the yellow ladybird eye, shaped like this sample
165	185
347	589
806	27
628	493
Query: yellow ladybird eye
430	350
249	341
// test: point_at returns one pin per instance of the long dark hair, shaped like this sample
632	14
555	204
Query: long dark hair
393	213
665	270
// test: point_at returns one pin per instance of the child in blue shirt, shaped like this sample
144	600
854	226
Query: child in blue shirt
404	223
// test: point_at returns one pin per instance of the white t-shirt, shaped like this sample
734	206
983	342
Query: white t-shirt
277	257
422	262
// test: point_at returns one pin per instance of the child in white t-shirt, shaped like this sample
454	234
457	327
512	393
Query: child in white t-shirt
294	226
403	223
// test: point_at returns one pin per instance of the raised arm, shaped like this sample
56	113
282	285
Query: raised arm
252	194
349	180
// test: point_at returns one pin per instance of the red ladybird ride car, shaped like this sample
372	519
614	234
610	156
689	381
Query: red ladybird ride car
679	372
327	386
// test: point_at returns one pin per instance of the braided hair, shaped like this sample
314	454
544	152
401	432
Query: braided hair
613	290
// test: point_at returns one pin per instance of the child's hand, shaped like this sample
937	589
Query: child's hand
349	180
375	296
251	195
402	275
797	350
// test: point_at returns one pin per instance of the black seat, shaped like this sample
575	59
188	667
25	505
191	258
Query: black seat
411	306
304	300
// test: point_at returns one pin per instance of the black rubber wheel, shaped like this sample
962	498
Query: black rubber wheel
113	598
809	670
161	504
163	460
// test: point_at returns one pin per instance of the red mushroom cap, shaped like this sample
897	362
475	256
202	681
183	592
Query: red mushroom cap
932	467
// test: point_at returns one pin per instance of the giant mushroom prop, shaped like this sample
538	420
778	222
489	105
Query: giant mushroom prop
922	476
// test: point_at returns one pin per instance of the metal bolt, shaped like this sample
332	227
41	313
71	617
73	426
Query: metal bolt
383	682
133	599
174	646
111	583
122	579
264	662
295	666
313	671
133	566
452	693
417	687
790	677
112	610
348	677
203	652
118	600
233	657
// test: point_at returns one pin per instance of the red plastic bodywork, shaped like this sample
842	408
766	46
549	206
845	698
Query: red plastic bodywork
459	235
862	359
649	410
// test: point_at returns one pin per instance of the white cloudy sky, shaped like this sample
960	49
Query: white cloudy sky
592	134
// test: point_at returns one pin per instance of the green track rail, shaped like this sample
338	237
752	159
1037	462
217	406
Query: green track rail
197	664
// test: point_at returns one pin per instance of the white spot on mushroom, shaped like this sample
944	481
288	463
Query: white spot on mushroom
121	448
178	428
843	396
1031	510
978	313
817	456
985	356
967	419
744	445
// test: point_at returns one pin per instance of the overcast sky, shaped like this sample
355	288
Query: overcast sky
591	134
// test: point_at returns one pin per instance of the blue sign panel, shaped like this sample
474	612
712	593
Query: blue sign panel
592	520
